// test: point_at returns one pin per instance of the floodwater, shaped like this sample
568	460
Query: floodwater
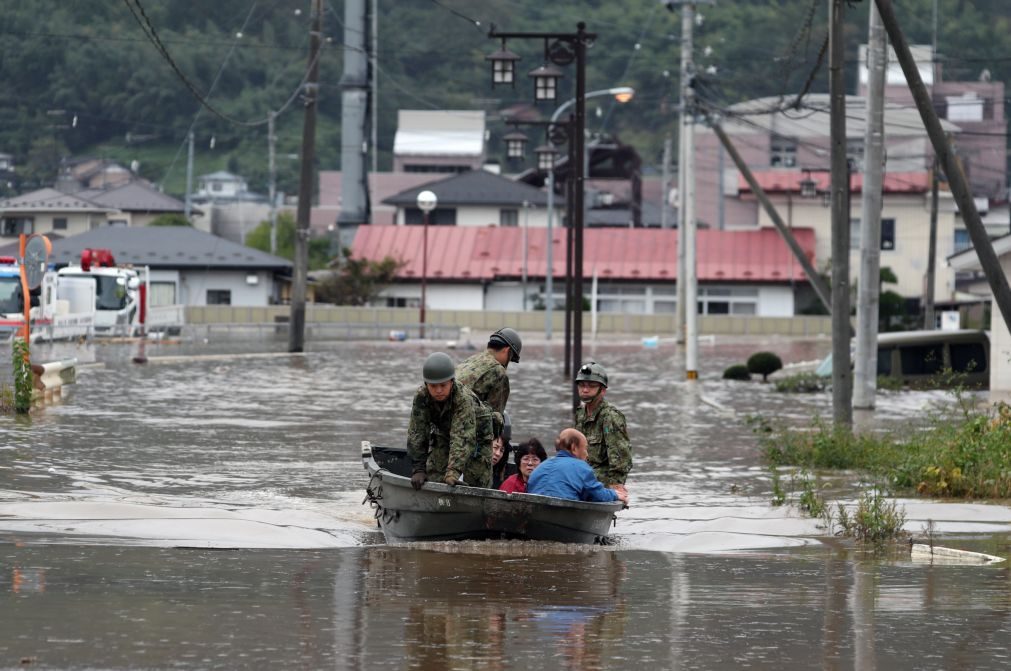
205	511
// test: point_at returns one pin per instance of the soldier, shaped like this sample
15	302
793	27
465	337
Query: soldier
485	373
450	433
603	425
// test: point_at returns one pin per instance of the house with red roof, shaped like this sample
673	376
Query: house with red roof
802	199
493	268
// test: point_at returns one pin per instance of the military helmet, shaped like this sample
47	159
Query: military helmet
510	339
438	368
591	371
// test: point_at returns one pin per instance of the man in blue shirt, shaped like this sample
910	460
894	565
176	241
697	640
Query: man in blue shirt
568	476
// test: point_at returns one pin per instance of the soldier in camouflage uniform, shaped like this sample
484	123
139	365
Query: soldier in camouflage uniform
604	427
485	373
450	432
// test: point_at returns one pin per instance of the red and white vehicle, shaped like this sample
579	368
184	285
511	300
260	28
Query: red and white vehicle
120	301
64	309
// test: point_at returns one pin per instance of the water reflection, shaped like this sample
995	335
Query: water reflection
494	606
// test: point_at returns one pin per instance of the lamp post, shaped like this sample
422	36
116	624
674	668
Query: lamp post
560	49
427	201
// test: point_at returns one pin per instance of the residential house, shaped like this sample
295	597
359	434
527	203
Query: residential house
92	173
475	198
220	185
976	107
50	211
228	208
188	267
382	185
967	261
483	268
136	203
905	224
439	141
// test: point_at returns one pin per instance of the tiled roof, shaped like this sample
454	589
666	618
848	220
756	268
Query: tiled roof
476	187
468	254
49	199
166	247
779	181
133	197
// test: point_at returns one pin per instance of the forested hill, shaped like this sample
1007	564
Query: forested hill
84	76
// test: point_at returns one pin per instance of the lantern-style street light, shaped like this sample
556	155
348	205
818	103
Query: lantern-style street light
503	66
546	154
515	143
427	201
563	49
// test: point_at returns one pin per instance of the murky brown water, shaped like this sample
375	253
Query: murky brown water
253	465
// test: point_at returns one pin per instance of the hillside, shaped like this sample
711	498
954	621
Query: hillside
88	80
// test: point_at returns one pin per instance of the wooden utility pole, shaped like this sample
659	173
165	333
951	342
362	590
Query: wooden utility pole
865	367
296	334
928	292
842	376
949	162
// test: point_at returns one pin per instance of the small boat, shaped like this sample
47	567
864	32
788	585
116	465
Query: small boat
438	512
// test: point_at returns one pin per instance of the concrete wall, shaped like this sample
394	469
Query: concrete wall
487	321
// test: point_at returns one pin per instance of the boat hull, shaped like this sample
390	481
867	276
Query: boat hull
438	512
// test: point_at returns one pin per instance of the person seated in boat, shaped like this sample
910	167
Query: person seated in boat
528	456
500	449
567	475
450	431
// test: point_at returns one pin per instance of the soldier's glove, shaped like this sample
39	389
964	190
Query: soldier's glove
418	479
451	480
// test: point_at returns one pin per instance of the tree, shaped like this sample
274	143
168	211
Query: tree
170	219
259	238
357	281
764	364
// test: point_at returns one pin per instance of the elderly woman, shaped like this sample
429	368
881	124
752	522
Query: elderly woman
528	456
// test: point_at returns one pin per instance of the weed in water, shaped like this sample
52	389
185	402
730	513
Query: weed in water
810	501
802	383
876	519
778	493
22	376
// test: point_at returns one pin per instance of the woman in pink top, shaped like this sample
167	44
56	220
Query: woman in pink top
528	456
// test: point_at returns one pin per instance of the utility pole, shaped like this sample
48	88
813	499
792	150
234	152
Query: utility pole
272	179
665	184
296	336
189	176
950	164
354	93
842	377
865	369
374	78
684	130
928	298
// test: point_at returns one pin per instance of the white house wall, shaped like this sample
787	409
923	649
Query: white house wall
194	284
775	301
535	217
908	260
1000	347
438	296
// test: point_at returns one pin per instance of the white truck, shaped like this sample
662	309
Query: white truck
120	305
64	309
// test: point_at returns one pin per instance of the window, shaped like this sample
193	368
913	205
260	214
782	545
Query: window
59	223
16	225
962	241
968	357
402	302
215	186
437	217
219	297
509	217
887	234
162	293
885	360
783	153
921	359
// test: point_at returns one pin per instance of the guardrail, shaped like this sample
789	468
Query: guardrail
49	379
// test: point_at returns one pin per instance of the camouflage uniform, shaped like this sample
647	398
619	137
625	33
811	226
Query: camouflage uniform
487	378
452	437
607	435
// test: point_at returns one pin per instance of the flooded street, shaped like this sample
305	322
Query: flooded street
206	511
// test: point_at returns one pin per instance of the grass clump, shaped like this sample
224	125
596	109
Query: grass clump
876	519
737	372
802	383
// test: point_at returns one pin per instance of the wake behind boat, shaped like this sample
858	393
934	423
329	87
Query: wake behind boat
438	512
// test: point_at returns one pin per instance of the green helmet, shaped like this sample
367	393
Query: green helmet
438	368
508	338
591	371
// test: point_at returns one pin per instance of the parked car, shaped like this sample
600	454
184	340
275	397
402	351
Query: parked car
918	358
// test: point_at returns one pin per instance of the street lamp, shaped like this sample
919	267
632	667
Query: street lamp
515	143
562	49
503	66
427	201
546	157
